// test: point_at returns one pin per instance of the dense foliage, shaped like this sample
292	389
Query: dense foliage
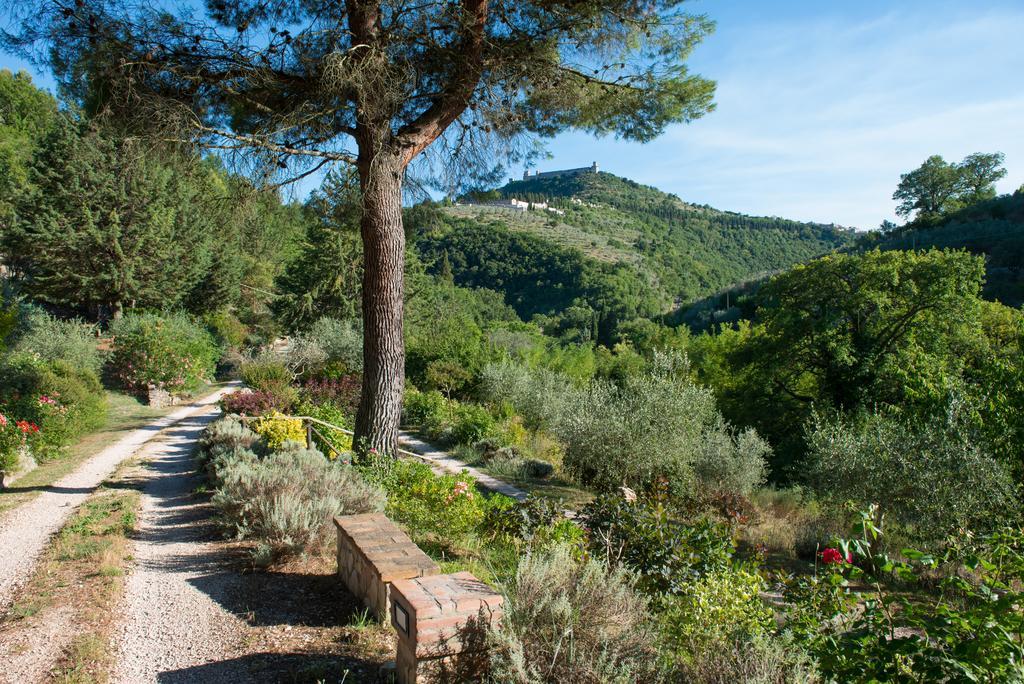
172	352
281	495
586	299
929	477
894	329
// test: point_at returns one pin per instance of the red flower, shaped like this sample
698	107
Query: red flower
835	557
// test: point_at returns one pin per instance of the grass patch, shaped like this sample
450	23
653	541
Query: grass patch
78	584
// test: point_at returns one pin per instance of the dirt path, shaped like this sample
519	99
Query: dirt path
174	623
25	531
444	462
190	615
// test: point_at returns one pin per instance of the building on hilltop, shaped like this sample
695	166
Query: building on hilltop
564	172
516	205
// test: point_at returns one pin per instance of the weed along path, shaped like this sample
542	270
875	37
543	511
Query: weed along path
26	530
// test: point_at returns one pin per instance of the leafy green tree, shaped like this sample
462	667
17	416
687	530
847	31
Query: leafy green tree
937	188
930	190
849	332
105	224
978	175
374	84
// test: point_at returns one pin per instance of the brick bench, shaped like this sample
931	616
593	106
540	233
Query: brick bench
441	621
372	553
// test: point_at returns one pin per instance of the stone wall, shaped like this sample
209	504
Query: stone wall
372	553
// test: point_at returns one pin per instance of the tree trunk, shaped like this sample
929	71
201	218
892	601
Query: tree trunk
380	405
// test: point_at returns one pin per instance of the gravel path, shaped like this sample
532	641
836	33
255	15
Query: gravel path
174	626
25	531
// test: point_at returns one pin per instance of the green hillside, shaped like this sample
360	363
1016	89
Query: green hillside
994	228
684	251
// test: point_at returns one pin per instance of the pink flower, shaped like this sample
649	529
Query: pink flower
460	489
3	420
45	400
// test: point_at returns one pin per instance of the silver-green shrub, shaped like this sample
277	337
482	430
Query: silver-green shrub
537	394
731	462
286	500
657	424
224	435
761	659
53	339
930	476
329	340
570	620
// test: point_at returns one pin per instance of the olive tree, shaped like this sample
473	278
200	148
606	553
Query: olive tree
301	84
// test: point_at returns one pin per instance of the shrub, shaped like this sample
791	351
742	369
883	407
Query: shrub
968	631
731	463
266	374
570	620
643	535
342	392
276	430
538	395
286	500
12	439
930	477
328	342
471	423
507	462
52	339
170	351
63	401
445	508
655	425
224	435
719	607
421	408
230	332
507	517
255	403
759	659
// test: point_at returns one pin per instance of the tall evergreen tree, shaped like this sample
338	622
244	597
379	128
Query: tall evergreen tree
26	115
323	279
105	224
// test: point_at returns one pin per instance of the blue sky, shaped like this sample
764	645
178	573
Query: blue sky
821	106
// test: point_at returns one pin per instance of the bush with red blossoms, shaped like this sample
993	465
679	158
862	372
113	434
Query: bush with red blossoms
172	352
832	556
14	435
257	403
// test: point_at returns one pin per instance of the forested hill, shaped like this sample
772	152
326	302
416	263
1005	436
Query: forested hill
686	250
994	228
613	251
